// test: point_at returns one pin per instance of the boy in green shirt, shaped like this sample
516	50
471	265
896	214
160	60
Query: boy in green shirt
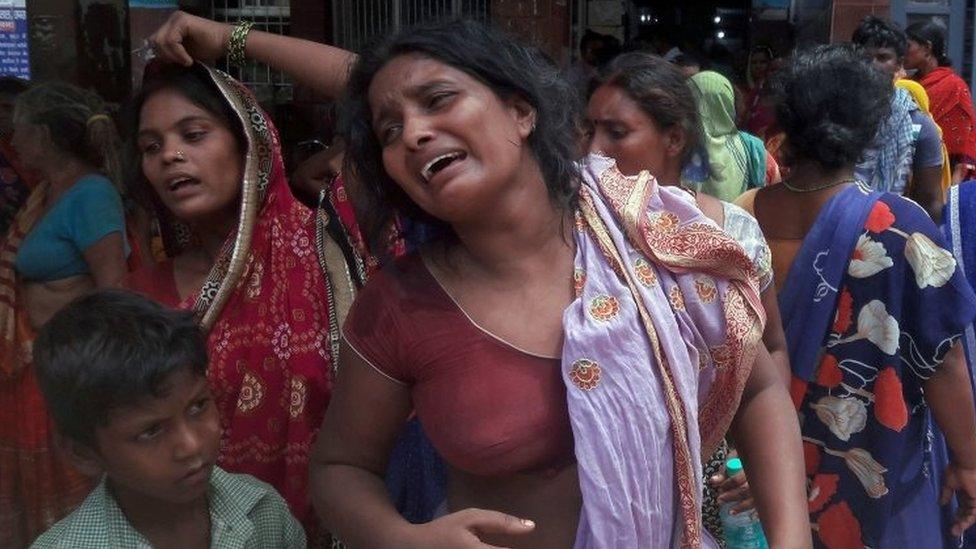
125	382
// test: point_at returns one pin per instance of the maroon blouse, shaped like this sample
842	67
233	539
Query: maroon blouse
489	409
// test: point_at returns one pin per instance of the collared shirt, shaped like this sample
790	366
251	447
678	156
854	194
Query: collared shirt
244	513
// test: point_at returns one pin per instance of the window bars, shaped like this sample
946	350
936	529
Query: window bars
270	86
356	22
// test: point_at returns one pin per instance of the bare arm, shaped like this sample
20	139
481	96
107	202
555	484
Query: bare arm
927	191
736	489
773	336
950	396
365	414
184	37
360	427
106	260
766	434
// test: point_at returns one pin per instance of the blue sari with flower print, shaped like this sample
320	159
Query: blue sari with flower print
959	228
897	304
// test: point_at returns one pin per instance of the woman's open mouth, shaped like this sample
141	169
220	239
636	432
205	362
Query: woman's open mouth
439	163
181	182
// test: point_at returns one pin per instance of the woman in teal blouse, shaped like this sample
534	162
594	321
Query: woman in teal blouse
67	239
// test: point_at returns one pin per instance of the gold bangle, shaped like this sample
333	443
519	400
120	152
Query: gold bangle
235	46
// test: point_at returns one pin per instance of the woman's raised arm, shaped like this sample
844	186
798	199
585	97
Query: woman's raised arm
184	38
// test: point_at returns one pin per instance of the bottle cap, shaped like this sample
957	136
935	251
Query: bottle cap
733	467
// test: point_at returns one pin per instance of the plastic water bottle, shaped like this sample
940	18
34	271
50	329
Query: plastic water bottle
743	530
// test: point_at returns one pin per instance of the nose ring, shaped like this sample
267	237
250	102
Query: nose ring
179	155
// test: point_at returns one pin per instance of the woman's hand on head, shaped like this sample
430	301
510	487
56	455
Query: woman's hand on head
463	530
184	38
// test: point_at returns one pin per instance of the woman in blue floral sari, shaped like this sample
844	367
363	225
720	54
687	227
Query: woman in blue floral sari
873	305
959	228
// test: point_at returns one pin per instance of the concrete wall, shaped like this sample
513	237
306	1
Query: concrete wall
543	23
846	15
53	34
85	42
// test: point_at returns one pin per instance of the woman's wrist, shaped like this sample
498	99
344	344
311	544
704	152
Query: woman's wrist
404	535
236	42
963	460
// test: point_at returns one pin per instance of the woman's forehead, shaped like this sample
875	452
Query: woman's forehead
611	103
170	104
410	75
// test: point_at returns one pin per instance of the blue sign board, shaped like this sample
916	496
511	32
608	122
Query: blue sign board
14	52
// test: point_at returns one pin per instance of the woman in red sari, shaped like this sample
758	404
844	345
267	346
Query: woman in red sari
757	115
951	102
251	260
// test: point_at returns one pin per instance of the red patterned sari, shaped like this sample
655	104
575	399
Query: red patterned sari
272	303
952	109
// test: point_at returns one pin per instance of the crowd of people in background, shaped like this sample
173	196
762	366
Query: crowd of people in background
512	305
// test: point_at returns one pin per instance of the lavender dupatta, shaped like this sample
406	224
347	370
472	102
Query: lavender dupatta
659	343
817	271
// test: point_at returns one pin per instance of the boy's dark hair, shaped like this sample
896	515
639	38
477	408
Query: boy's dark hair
874	32
829	102
508	68
934	33
107	350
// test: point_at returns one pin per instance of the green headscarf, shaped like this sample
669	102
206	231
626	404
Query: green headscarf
735	161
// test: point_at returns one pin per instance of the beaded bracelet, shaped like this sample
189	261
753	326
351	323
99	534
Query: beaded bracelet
235	46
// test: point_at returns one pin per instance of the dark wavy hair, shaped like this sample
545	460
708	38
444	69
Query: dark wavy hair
874	32
661	91
829	101
509	68
934	33
109	350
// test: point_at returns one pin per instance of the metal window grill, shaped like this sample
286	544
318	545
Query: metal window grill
356	22
270	86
